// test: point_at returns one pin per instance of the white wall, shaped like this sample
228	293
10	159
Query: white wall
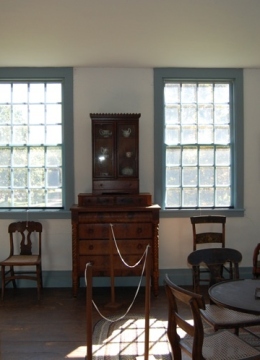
98	90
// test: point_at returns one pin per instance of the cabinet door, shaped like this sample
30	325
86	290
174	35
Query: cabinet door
104	147
127	149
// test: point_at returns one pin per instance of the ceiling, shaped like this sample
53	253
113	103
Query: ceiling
130	33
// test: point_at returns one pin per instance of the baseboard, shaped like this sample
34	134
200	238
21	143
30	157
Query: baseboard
63	279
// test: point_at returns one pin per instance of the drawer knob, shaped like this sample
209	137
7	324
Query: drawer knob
139	246
91	247
90	231
139	230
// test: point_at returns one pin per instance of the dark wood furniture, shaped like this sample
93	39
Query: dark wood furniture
207	229
22	235
199	346
203	234
135	223
115	153
215	259
238	295
256	261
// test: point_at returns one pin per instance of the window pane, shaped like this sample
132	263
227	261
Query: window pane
190	198
31	138
36	156
205	93
53	156
205	122
189	176
189	93
5	156
5	177
206	197
20	114
172	135
5	114
5	93
20	93
36	93
20	178
173	176
20	156
189	156
172	93
173	198
37	114
172	114
53	93
206	175
37	177
206	155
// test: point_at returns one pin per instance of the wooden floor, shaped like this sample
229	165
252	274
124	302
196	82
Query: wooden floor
54	328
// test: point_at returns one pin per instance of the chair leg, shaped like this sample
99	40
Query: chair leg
12	274
39	280
3	281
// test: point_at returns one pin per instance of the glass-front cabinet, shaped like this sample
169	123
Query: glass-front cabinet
115	140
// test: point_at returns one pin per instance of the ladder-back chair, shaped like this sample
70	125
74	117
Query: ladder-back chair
199	346
215	259
22	262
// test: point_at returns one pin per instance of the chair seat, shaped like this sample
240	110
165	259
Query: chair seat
223	318
21	259
223	345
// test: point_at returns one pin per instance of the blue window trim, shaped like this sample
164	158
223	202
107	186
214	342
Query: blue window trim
160	75
66	75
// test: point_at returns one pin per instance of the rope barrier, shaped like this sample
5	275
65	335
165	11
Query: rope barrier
88	277
136	293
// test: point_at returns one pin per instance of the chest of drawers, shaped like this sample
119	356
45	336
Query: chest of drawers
135	225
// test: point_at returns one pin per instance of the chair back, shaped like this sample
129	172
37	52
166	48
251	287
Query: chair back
215	259
202	234
256	261
179	296
24	230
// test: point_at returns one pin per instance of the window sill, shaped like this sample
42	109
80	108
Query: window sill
34	214
169	213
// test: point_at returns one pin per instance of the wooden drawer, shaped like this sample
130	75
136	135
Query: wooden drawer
115	217
97	247
112	186
89	200
100	265
121	231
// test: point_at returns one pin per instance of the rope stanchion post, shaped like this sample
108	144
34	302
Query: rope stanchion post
89	310
88	280
147	302
113	304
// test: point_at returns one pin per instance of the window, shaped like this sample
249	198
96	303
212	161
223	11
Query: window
199	140
35	139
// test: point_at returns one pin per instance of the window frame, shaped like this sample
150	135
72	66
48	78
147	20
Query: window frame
237	137
65	75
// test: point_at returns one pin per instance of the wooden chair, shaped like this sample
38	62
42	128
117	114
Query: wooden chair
203	234
256	261
23	234
198	345
215	259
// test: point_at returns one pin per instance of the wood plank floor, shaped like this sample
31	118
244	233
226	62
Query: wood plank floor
54	328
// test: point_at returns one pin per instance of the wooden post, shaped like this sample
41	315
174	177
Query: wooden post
112	304
147	302
89	311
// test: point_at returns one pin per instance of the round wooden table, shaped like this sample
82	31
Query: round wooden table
237	295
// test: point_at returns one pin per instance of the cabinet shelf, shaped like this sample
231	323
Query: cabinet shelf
115	147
